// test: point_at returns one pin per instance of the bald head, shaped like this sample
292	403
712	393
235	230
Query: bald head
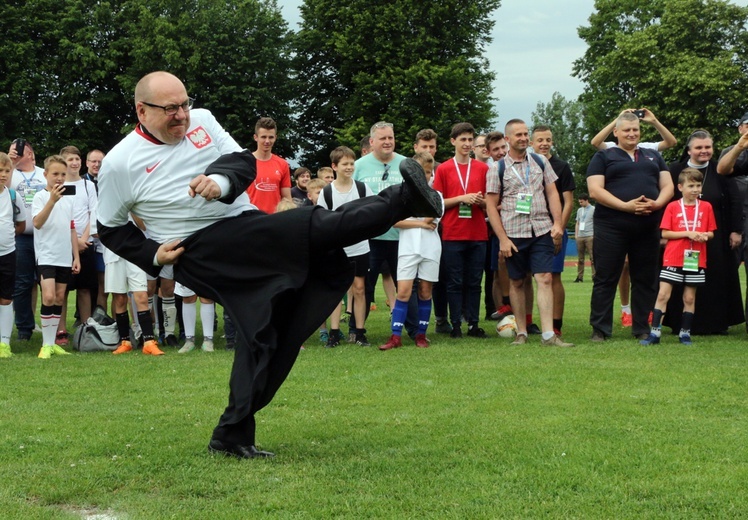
154	81
155	93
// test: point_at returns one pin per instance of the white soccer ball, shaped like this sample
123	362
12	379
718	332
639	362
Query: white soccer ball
507	327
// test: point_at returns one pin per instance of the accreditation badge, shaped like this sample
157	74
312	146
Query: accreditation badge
466	210
691	260
524	203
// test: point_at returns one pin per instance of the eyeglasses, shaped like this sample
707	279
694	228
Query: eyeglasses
171	110
386	172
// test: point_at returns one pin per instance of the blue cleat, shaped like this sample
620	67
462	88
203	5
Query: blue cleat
651	340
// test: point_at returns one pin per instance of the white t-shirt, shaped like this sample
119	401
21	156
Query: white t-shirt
8	218
338	199
151	180
421	242
52	242
84	206
26	186
651	146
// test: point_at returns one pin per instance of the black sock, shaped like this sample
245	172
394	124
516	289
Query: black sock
146	325
657	318
123	325
558	323
686	322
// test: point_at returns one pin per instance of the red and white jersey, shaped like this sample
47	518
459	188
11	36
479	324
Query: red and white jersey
151	179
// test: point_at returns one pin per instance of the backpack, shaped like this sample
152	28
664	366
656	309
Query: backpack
99	333
327	193
16	209
502	166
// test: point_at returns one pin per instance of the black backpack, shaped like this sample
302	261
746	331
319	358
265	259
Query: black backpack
327	192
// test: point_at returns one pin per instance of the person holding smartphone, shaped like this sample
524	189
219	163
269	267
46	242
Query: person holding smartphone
56	247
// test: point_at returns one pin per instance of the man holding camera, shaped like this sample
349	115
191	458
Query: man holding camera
27	180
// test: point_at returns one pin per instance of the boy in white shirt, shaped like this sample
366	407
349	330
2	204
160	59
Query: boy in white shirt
85	282
12	221
418	255
344	189
56	248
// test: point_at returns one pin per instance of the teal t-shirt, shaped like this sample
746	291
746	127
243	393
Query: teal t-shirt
370	171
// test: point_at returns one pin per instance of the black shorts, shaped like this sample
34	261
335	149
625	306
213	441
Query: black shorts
677	276
361	264
87	278
7	275
59	274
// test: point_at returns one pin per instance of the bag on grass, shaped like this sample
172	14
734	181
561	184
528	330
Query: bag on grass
92	336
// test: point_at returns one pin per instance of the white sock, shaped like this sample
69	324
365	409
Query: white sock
626	309
207	315
548	335
6	323
189	316
170	315
49	328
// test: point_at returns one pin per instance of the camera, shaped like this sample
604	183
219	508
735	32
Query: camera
639	113
20	146
69	189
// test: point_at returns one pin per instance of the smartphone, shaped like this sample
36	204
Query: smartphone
69	189
20	146
639	113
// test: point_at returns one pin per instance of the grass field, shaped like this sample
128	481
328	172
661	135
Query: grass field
465	429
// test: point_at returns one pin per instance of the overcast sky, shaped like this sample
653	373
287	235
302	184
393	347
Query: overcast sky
534	46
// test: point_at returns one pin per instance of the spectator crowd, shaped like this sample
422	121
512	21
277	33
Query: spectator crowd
657	234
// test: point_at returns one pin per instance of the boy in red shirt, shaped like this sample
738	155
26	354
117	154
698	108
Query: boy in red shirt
462	183
687	225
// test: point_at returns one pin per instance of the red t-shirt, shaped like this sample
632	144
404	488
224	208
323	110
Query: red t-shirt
272	175
673	220
450	184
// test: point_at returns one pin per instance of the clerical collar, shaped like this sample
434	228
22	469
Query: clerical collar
697	166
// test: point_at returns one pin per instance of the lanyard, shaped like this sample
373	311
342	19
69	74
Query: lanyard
685	218
28	180
526	180
463	182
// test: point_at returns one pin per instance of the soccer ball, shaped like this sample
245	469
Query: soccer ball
507	327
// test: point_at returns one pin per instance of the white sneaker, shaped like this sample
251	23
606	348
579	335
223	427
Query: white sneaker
189	346
207	345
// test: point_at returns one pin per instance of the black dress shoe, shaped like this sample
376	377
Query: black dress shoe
533	329
420	198
237	450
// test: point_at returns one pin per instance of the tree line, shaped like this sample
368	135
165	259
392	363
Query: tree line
70	67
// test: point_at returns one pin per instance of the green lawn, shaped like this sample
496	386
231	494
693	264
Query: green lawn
464	429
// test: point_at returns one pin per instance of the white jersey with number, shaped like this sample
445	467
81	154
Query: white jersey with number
151	179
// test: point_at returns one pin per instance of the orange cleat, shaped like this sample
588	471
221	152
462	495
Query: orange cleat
151	348
124	346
